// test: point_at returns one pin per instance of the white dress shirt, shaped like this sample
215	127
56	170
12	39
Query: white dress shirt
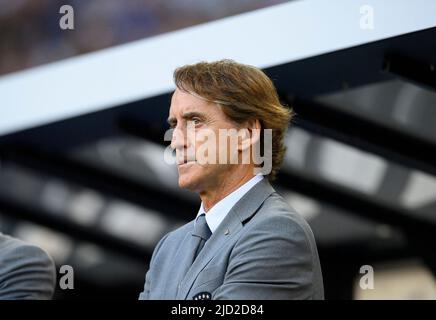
218	212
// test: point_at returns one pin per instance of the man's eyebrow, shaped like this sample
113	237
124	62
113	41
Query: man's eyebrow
171	120
192	114
186	116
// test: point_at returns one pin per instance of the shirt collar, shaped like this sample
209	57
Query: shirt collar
218	212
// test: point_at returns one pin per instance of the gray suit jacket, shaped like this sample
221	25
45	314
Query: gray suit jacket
262	250
26	271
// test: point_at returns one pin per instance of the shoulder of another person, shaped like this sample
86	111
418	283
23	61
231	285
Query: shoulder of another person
11	248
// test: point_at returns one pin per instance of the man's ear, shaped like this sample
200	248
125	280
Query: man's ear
249	134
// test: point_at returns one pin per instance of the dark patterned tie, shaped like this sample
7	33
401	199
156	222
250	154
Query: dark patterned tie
201	233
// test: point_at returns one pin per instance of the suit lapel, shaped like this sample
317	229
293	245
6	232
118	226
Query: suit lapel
181	263
226	231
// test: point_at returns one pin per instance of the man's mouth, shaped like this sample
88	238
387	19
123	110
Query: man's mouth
185	162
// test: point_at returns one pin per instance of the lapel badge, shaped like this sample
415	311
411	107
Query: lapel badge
202	296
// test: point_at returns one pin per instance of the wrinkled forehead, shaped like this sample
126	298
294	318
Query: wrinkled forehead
183	102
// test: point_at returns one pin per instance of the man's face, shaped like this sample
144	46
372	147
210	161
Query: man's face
204	118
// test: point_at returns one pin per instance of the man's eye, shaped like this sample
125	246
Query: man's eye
196	120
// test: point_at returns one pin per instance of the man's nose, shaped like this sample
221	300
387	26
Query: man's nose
178	140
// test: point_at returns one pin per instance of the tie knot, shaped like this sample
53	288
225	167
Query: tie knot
201	229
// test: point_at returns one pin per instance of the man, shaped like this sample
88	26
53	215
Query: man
246	241
26	271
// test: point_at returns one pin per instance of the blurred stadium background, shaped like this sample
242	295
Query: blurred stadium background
88	183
